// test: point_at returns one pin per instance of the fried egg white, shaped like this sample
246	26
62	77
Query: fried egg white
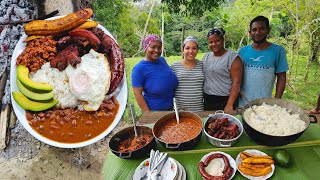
215	167
90	80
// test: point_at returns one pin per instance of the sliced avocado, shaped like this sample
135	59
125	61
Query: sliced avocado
33	95
27	104
23	76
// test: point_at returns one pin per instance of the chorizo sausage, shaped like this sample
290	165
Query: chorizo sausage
113	51
92	38
227	171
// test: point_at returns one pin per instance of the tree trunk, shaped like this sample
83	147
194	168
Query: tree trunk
316	76
145	28
315	46
162	32
294	42
297	37
182	38
306	75
240	43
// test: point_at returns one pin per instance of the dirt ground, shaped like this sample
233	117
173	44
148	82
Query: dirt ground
28	158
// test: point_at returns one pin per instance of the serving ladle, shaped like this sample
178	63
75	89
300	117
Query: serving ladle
176	110
250	105
134	121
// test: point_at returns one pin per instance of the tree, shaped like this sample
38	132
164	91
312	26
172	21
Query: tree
191	7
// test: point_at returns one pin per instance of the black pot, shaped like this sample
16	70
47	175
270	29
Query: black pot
270	140
125	134
189	144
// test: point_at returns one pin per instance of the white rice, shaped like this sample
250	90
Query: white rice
60	83
277	120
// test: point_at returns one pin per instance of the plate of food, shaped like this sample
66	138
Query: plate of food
218	165
255	164
67	80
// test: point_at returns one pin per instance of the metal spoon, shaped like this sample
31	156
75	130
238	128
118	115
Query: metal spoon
134	121
246	99
176	110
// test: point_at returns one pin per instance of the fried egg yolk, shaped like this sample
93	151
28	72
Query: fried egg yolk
90	80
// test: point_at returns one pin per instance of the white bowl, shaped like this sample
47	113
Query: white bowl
21	113
223	142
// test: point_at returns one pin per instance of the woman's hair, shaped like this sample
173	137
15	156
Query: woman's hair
260	18
150	39
190	38
218	31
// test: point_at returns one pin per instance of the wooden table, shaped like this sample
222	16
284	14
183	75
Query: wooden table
152	117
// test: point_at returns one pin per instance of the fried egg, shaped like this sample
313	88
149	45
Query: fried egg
215	167
90	80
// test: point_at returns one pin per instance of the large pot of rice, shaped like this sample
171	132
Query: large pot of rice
281	122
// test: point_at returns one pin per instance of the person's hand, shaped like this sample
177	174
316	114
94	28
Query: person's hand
229	110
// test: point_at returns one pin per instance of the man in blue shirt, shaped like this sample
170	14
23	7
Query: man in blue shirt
264	63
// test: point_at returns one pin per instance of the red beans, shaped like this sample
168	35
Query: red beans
88	122
71	125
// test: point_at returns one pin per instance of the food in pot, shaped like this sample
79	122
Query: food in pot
255	165
215	166
172	132
134	143
222	128
277	120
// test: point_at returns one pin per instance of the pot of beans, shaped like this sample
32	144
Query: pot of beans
222	130
282	121
178	136
125	144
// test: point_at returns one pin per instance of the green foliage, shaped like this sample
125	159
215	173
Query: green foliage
191	7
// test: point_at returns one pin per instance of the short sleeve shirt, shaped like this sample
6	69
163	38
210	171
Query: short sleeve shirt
189	93
216	71
158	82
260	69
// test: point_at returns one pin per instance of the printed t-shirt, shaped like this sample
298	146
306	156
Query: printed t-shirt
259	72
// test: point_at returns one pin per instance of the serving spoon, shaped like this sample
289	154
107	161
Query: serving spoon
134	121
250	105
176	110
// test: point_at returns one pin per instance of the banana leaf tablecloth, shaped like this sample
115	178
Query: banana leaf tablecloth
305	153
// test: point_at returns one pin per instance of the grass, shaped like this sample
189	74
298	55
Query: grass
304	94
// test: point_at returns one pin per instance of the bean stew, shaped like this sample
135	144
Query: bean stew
73	125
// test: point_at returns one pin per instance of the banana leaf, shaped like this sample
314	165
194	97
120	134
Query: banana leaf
305	153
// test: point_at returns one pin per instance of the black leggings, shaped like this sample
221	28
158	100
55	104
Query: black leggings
212	102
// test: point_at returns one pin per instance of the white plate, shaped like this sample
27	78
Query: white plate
231	161
121	97
257	153
182	172
168	172
179	171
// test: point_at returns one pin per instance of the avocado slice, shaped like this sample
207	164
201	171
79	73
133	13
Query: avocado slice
23	76
27	104
33	95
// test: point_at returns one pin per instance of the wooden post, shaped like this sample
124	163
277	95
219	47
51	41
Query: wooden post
5	112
